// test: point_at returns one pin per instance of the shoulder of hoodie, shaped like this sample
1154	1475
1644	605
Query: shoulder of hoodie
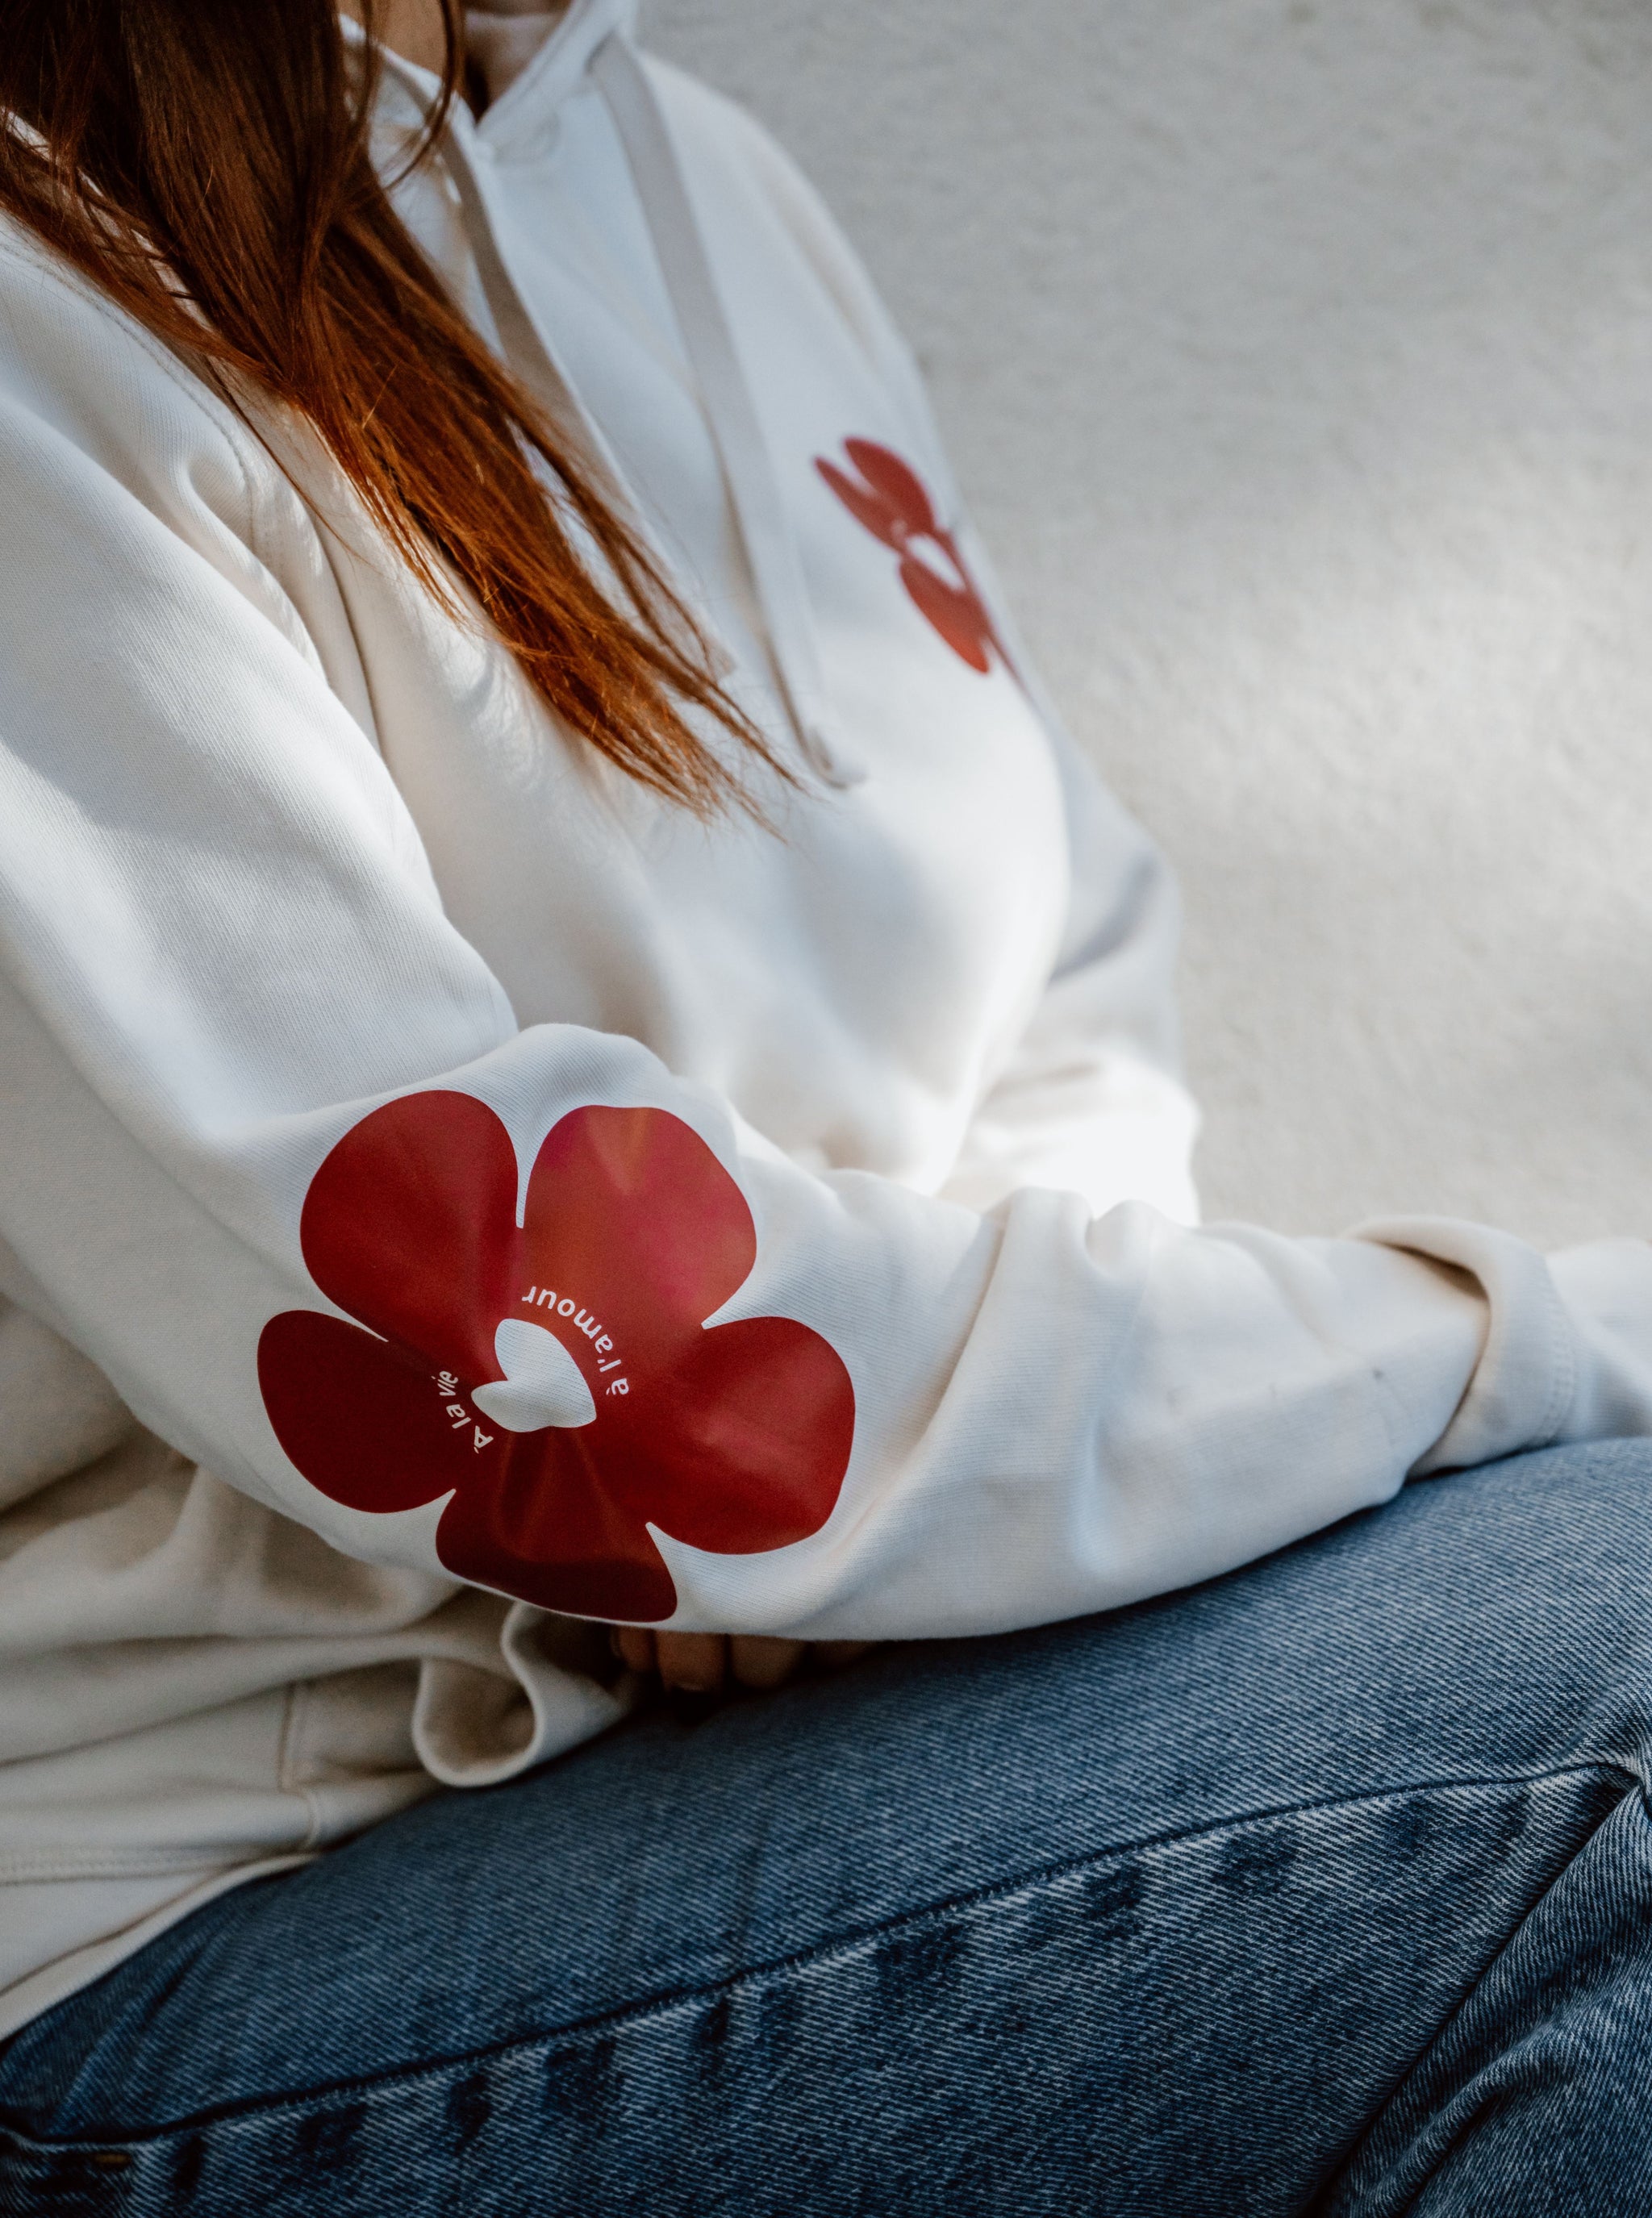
711	128
101	421
77	372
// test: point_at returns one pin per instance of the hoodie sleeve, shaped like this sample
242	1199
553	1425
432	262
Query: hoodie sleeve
515	1305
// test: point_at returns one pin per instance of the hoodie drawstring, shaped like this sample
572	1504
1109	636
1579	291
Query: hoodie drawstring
747	467
528	353
749	470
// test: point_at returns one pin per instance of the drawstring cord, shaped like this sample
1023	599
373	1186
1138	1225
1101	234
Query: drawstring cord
749	472
747	467
522	344
517	337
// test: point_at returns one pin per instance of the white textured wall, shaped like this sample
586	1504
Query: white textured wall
1297	357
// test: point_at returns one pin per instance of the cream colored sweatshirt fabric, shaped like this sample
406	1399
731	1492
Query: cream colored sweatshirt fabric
451	1196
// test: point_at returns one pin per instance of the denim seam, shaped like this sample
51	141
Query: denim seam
1442	2032
663	2004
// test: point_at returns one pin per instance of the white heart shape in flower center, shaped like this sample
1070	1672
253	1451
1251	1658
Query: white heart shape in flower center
542	1385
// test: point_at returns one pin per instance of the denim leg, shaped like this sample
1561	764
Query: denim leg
1312	1889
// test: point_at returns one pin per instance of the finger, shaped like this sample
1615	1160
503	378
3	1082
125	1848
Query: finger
634	1645
763	1662
695	1662
833	1654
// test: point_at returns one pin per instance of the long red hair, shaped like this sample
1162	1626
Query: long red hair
205	162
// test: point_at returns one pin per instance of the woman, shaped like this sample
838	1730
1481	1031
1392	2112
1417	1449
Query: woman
579	1053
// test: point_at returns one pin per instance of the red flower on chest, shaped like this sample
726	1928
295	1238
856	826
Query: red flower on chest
555	1377
887	496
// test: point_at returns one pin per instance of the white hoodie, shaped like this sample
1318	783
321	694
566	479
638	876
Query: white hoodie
450	1193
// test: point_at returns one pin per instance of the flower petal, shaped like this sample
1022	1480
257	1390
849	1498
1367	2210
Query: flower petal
410	1225
898	481
879	517
356	1418
752	1452
631	1218
548	1528
954	610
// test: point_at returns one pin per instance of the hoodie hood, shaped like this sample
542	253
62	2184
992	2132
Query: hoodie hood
533	56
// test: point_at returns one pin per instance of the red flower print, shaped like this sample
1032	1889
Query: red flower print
889	497
555	1379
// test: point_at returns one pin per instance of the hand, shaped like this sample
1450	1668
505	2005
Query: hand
704	1663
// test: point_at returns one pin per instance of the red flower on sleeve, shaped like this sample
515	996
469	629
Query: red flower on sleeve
555	1379
889	497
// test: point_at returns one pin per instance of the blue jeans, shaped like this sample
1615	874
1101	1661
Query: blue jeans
1326	1888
